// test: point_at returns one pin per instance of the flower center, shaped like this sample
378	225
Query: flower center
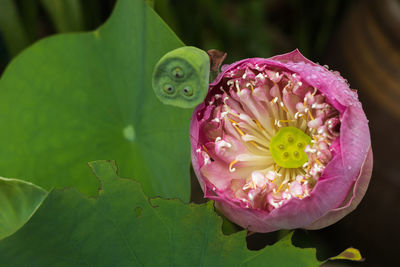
268	138
287	147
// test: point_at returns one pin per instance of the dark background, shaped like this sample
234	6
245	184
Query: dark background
361	39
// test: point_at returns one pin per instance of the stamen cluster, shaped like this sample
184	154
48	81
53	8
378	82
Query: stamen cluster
253	104
281	143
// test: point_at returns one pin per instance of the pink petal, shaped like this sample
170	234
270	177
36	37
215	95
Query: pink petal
345	178
355	197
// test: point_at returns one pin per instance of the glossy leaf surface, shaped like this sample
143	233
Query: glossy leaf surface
75	98
123	227
18	201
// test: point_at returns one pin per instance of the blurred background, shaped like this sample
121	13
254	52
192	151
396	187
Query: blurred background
359	38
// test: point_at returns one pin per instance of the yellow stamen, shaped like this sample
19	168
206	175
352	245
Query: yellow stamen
238	129
231	165
257	145
279	188
311	116
287	120
272	122
251	142
237	86
233	122
284	108
247	186
258	125
205	149
308	168
319	162
235	125
315	91
234	114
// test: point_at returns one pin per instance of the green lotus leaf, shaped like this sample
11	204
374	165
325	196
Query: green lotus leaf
75	98
18	201
123	227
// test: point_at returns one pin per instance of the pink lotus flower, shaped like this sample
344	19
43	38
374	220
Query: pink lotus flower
281	143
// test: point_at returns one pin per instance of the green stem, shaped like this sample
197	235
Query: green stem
11	27
65	14
283	233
